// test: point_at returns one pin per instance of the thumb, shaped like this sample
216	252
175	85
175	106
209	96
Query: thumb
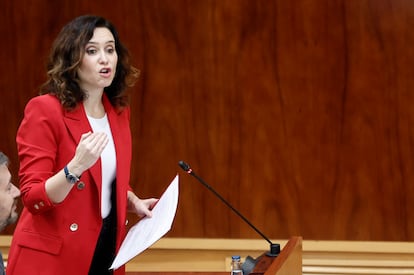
85	135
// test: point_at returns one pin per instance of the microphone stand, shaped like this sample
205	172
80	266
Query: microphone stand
274	248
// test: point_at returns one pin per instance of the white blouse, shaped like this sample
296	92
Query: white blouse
108	161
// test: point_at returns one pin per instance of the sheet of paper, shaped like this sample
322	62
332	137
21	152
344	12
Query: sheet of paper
149	230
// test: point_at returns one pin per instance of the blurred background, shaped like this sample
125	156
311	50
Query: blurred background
300	113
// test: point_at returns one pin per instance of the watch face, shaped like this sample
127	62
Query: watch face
72	178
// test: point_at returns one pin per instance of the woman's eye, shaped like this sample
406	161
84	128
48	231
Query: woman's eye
90	51
110	50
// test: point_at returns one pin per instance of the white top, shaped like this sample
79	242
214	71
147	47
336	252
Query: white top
108	161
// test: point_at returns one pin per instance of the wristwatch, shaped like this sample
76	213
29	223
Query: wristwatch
70	177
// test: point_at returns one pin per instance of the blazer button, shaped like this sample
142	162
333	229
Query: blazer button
73	227
81	185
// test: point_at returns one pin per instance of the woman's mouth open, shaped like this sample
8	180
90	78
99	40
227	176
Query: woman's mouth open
105	72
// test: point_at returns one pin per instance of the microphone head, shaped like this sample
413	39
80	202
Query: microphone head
184	166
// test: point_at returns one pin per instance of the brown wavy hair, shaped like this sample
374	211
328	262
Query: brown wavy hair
65	57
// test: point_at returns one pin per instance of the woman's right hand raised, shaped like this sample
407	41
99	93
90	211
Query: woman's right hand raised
88	151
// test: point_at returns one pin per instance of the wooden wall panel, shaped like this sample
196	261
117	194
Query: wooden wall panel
300	113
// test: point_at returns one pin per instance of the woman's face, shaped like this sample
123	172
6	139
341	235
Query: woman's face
98	65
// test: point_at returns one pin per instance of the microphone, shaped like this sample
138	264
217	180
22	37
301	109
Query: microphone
274	248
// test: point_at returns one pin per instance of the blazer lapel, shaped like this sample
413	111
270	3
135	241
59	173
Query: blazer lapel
120	135
76	122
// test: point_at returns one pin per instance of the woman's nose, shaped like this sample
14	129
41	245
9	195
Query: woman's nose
103	58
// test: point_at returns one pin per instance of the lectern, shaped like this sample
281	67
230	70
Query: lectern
288	262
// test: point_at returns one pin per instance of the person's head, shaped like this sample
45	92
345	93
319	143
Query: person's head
8	194
68	55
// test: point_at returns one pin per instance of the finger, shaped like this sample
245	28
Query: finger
95	138
89	139
85	135
153	203
147	213
102	140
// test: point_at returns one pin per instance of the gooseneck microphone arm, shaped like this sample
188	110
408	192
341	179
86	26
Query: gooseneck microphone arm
274	248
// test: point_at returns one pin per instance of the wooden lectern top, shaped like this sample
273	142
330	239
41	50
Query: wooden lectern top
288	262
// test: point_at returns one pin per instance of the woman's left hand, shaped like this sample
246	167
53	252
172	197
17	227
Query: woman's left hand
141	207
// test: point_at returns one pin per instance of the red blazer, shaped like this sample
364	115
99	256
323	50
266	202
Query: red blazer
60	238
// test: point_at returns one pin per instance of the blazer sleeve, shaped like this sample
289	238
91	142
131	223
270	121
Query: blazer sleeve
37	149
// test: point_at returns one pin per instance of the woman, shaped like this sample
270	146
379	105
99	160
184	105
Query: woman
74	145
